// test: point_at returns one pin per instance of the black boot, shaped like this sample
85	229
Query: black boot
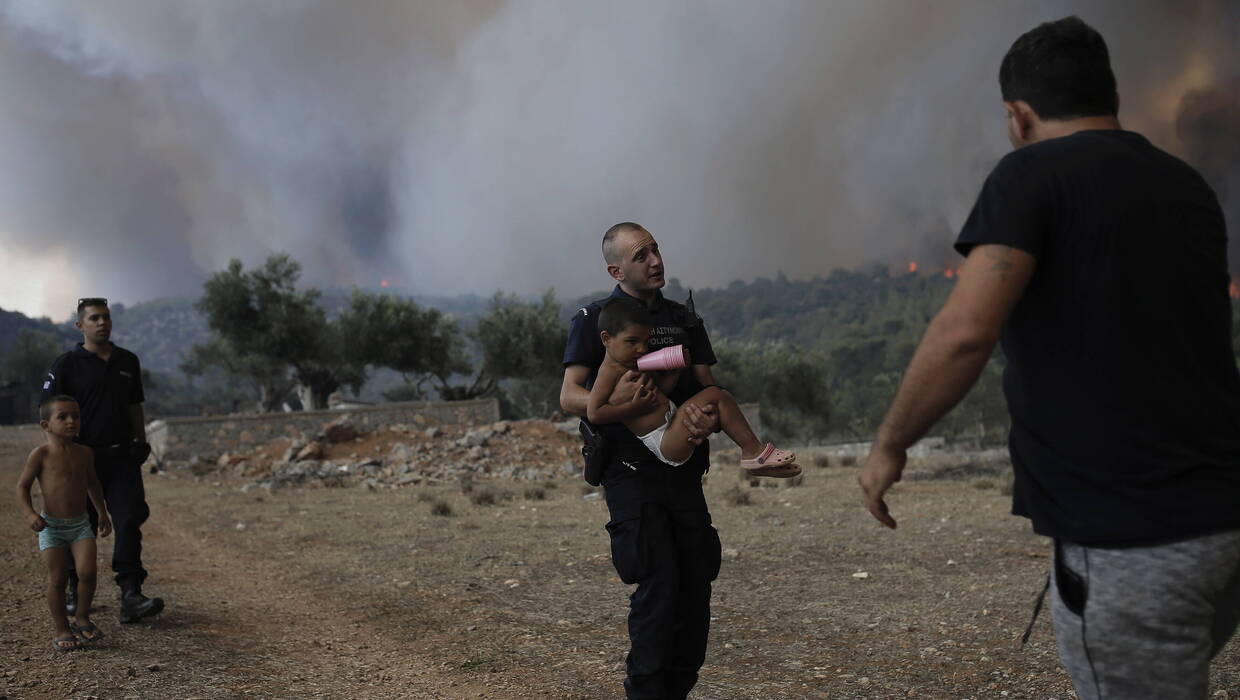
135	606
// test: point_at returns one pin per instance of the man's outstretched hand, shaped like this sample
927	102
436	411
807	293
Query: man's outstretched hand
882	469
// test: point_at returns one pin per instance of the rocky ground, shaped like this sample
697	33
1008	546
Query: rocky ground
330	585
399	455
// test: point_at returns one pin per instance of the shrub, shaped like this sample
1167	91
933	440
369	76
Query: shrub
484	497
737	496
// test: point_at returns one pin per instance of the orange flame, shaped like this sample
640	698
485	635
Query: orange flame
384	283
912	266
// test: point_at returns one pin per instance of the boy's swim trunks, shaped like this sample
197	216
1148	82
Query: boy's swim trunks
62	532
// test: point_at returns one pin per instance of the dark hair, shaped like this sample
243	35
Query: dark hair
45	408
614	231
1062	69
89	301
619	314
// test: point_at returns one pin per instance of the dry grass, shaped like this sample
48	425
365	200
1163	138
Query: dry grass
737	496
518	598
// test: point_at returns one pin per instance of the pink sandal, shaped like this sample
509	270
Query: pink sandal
776	471
770	456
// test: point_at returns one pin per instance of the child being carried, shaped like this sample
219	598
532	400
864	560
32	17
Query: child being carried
625	327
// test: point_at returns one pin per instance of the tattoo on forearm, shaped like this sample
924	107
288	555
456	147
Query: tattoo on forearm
1000	257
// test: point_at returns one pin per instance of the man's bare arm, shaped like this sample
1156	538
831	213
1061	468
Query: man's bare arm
951	355
573	392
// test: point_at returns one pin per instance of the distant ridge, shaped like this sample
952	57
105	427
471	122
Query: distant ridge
12	323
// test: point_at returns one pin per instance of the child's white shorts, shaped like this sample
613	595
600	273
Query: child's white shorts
654	438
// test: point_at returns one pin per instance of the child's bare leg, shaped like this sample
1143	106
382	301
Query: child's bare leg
84	557
734	423
57	577
677	444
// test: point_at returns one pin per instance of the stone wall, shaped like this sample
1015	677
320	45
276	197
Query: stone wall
179	439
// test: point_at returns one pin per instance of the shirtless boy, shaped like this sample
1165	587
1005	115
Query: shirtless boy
66	474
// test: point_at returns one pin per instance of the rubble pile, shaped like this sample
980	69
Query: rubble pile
343	454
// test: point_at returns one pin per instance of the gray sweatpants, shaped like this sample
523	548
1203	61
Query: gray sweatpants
1144	622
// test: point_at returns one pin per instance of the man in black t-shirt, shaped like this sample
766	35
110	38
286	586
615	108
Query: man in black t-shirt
106	380
1100	262
661	533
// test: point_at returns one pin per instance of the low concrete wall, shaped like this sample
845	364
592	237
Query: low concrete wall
208	437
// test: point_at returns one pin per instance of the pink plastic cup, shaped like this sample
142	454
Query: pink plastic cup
674	357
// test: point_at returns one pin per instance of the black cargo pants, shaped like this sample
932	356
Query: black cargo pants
673	555
120	477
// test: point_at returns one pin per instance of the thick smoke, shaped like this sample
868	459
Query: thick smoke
465	147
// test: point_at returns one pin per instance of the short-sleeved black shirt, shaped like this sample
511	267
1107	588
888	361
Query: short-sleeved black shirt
104	392
674	325
1121	382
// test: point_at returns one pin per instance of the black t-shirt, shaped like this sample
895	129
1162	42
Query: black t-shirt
104	392
1121	382
674	325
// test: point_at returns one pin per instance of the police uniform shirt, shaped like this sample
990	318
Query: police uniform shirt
672	326
104	392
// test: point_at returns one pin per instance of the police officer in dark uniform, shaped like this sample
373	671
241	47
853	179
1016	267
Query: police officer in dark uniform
106	380
661	533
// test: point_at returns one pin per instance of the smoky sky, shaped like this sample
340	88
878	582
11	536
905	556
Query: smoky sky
470	147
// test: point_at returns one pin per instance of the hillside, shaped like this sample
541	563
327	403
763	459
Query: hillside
12	323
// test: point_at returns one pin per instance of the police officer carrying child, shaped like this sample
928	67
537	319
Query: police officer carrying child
661	533
106	380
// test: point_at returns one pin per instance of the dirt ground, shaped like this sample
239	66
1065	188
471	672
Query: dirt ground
350	592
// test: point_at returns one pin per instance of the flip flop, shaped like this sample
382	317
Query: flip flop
777	471
88	633
770	456
56	643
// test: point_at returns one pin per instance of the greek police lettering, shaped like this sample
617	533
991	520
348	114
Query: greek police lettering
665	336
